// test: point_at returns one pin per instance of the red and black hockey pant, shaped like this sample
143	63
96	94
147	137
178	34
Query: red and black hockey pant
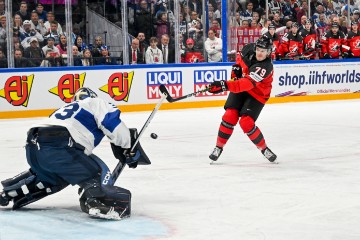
242	108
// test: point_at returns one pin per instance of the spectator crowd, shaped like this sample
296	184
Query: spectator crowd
324	29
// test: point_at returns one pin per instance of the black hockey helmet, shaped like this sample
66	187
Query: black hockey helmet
264	42
83	93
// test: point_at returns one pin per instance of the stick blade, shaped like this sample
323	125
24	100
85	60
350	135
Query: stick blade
164	91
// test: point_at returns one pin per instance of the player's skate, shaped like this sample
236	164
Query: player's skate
216	153
269	154
4	201
100	210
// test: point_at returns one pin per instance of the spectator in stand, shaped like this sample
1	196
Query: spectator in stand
96	49
135	55
3	60
18	23
162	25
213	47
168	50
287	10
54	33
182	45
153	54
87	58
236	22
304	9
321	23
20	61
337	6
276	21
29	33
245	24
51	45
195	5
308	35
247	14
37	24
52	59
41	12
105	58
332	42
76	56
193	16
79	42
17	44
353	42
142	45
2	7
34	52
51	19
291	44
274	6
330	9
3	31
356	16
191	55
23	11
256	17
62	46
319	10
216	27
143	20
217	11
338	21
258	5
303	22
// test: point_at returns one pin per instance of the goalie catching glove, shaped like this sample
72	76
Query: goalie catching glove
218	87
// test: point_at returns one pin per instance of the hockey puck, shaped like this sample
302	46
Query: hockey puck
153	136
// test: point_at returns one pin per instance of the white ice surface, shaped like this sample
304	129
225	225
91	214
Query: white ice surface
312	194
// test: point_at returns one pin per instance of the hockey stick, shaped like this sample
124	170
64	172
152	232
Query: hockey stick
120	166
170	99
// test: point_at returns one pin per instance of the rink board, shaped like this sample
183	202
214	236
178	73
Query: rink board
25	93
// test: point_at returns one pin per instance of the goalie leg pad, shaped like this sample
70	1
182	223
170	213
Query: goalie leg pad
24	189
104	198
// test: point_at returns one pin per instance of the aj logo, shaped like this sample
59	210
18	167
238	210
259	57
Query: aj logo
119	85
17	90
68	84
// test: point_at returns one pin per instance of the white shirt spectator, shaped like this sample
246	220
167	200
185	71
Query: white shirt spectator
213	47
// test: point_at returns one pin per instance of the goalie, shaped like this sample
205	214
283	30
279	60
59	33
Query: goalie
59	152
250	90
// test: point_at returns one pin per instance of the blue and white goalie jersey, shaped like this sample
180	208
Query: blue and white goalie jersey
89	120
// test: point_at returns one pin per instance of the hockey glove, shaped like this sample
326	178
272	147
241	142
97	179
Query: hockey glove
345	55
327	56
132	158
218	87
236	72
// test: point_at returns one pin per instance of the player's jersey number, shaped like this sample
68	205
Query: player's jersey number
67	111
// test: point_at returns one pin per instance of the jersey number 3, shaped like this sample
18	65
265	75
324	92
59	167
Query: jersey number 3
67	111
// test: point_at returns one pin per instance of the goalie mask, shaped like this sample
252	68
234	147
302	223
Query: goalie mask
83	93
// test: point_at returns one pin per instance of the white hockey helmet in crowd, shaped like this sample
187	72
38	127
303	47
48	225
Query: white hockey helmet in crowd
83	93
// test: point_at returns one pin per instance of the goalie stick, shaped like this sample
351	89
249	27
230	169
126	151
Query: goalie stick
120	166
170	99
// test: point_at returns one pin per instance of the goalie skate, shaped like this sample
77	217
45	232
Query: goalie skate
111	215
